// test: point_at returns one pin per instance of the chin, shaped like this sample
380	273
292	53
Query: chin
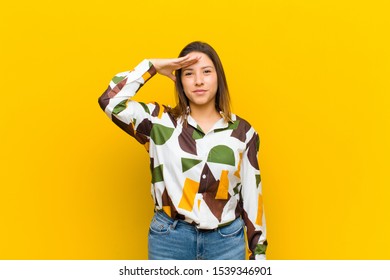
201	101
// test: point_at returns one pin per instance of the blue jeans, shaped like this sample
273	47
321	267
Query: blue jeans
170	239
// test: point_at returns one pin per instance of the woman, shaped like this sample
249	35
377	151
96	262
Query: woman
205	176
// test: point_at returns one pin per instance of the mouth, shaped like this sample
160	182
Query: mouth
199	91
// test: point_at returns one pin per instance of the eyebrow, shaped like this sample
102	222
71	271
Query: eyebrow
208	66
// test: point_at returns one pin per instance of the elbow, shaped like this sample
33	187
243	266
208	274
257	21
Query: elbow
102	103
103	100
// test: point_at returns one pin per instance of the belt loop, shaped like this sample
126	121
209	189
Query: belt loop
173	226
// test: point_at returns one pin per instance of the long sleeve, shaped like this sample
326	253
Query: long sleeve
251	192
131	116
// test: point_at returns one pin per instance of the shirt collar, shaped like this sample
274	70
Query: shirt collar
220	124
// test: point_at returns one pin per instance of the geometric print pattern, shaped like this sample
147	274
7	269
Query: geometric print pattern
207	179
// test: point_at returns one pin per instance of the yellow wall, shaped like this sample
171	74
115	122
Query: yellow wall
311	76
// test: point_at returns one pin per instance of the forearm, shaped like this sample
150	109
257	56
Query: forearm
124	86
131	116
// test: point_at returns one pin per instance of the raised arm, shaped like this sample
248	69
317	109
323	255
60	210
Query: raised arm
135	118
131	116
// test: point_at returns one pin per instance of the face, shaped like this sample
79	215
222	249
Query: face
200	81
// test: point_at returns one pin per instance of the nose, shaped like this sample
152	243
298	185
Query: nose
198	80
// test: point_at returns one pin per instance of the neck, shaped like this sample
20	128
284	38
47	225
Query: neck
205	117
203	113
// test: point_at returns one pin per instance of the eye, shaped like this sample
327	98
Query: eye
207	71
187	73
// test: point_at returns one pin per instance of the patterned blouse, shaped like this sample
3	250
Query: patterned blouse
207	179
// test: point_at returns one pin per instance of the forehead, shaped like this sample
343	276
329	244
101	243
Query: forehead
204	61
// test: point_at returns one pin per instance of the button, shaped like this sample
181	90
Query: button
204	176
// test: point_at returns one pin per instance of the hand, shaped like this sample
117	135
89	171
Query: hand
166	66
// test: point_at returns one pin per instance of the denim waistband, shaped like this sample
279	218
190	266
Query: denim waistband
164	216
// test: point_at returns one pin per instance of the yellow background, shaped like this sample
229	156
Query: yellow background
311	76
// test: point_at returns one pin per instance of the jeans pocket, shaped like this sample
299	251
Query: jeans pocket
159	226
233	229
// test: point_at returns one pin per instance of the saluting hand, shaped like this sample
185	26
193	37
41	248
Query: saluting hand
165	66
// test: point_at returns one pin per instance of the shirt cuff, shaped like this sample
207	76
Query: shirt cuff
145	69
260	257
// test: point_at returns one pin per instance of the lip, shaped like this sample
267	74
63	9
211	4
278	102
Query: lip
199	91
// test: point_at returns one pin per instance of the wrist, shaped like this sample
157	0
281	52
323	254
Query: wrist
154	63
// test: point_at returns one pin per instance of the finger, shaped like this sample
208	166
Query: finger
189	61
182	59
192	58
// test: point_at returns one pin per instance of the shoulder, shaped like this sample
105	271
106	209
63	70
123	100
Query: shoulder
242	123
242	129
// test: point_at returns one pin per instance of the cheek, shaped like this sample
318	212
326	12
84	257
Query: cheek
184	84
214	83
